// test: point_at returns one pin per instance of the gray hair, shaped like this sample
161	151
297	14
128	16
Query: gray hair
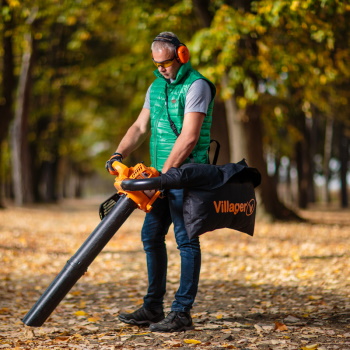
161	45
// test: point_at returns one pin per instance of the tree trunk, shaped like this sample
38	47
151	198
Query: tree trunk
301	161
219	132
304	155
201	7
313	138
244	127
234	120
270	204
20	154
7	89
344	145
50	175
327	156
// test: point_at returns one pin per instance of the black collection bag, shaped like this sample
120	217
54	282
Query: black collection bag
216	196
232	205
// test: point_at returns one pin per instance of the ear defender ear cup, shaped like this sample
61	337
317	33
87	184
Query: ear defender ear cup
183	54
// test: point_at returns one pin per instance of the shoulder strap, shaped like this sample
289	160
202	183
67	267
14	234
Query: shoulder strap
172	124
174	129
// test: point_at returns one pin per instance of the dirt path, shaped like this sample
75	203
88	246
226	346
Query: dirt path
285	288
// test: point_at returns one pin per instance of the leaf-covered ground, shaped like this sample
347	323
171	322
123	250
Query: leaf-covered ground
288	287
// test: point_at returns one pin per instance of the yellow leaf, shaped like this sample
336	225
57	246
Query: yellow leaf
93	319
219	317
80	313
14	3
310	347
192	341
76	292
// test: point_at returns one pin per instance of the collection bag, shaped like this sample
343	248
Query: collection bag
216	196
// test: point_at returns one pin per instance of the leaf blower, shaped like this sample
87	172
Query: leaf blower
113	212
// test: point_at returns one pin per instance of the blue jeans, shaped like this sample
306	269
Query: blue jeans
166	211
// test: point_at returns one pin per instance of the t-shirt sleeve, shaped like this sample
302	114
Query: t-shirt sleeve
147	103
198	97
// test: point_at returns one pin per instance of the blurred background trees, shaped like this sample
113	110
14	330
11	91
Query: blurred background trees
74	75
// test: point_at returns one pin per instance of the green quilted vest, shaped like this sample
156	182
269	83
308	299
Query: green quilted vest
162	136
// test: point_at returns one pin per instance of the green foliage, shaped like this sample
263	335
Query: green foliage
280	55
93	66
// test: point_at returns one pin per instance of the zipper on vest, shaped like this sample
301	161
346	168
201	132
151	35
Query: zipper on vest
155	143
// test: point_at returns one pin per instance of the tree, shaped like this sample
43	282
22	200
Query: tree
7	84
22	179
279	67
232	39
290	54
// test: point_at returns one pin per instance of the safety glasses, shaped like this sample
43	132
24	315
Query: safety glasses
164	64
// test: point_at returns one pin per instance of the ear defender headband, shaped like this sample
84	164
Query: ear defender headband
182	53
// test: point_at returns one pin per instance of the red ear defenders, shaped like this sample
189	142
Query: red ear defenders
182	53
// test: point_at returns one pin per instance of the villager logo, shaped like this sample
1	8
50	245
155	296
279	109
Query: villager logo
235	208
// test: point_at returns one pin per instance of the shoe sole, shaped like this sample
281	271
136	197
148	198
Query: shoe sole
136	323
184	328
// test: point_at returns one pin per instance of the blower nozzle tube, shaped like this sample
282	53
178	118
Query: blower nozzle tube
78	264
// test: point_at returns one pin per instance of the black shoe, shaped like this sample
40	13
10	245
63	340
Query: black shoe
142	317
174	322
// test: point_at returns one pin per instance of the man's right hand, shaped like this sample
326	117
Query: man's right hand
116	157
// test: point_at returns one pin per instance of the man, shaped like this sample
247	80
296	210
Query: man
178	113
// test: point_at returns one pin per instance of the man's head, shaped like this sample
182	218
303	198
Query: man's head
168	54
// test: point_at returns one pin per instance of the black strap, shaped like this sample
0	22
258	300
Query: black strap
217	151
172	124
174	129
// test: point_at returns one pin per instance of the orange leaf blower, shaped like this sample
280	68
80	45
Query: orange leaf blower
113	212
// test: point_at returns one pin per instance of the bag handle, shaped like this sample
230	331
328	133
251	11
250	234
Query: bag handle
217	151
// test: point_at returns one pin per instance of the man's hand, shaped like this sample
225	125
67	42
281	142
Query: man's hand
116	157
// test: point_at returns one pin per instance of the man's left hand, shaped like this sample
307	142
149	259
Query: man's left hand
116	157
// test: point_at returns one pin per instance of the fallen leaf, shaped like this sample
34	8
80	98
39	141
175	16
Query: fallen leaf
192	341
310	347
281	327
75	293
36	242
61	338
93	319
173	343
80	313
258	328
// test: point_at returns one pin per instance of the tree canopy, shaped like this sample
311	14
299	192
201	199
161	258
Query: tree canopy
91	67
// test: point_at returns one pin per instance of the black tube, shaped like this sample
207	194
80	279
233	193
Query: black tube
77	265
152	183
